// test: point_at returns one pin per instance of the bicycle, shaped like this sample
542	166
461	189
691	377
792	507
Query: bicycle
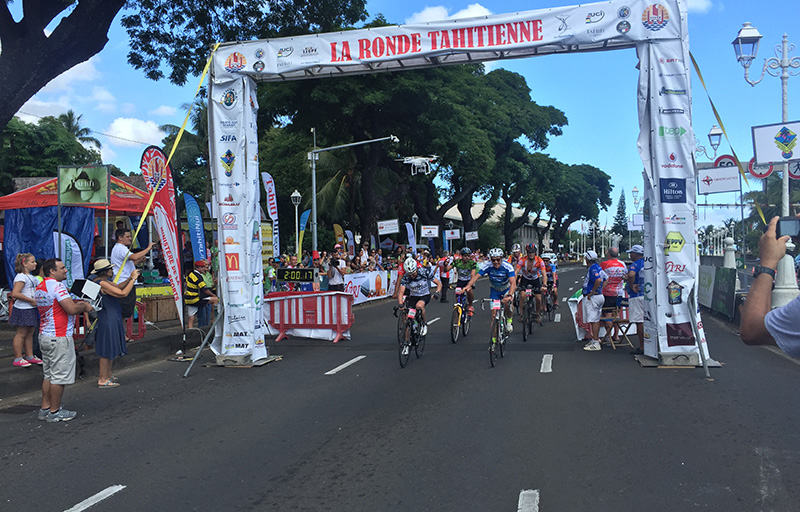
499	334
411	336
528	313
549	304
4	309
460	319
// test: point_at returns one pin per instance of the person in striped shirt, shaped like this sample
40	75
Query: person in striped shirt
57	313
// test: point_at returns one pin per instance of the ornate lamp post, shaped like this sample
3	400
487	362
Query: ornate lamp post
414	219
296	198
714	140
746	47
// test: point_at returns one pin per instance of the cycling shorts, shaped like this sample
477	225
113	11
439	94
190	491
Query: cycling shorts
413	299
462	283
536	284
498	294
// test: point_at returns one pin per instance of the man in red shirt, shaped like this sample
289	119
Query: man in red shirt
56	322
613	289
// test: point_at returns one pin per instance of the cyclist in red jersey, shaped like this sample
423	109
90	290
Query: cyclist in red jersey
613	289
532	272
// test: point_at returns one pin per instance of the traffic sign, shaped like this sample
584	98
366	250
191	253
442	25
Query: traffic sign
725	161
794	170
759	171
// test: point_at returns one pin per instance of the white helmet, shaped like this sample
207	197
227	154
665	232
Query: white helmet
516	248
410	265
496	253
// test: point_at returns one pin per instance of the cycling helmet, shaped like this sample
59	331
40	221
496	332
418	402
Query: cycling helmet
516	248
496	253
466	251
410	265
530	248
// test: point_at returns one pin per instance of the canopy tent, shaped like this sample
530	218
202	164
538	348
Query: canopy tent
32	217
125	198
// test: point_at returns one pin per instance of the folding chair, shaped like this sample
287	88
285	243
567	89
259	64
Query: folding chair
620	320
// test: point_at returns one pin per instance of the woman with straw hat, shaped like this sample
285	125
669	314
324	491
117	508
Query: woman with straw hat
110	342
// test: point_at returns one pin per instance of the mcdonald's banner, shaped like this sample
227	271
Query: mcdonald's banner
158	176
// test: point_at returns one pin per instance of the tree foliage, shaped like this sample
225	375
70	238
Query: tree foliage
620	225
38	149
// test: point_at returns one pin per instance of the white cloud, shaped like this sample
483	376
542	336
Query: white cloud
439	13
83	72
164	111
108	154
699	5
128	132
35	109
103	100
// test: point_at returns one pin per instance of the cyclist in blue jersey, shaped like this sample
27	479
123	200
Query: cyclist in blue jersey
502	281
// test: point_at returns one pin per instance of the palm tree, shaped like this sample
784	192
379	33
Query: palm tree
73	125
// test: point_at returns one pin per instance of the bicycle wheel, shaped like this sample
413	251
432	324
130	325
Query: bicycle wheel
466	321
401	325
419	347
525	313
455	321
493	346
502	335
405	343
550	308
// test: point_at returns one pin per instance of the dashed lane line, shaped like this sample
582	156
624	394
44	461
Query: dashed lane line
528	501
547	364
345	365
97	498
557	317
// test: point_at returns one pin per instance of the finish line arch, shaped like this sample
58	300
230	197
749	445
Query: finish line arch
658	31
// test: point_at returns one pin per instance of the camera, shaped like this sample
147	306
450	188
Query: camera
788	226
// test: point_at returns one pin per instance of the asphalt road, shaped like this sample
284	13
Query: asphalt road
447	433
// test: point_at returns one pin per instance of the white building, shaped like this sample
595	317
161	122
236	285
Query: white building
524	235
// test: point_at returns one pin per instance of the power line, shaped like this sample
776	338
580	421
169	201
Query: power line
100	133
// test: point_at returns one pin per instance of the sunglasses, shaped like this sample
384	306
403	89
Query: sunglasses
497	259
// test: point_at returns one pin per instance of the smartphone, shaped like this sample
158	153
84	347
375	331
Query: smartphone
788	226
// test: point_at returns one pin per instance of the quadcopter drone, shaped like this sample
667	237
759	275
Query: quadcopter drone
419	163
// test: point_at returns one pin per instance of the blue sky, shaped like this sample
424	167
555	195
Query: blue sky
597	91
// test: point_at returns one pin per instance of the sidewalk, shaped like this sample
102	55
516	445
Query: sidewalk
161	341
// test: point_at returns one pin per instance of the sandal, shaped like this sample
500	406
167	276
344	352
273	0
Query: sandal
108	384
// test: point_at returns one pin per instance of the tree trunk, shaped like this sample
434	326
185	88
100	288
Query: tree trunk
30	60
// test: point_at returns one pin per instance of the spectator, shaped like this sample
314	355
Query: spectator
110	335
593	298
337	270
24	314
121	253
760	325
196	294
636	294
445	263
56	322
613	290
98	251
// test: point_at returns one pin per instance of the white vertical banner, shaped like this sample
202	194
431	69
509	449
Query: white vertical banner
235	179
666	145
272	208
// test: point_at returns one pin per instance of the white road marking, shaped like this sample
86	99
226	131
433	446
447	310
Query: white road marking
547	364
557	317
97	498
571	288
564	299
434	320
528	501
345	365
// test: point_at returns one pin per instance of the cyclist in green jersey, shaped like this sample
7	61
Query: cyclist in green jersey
465	267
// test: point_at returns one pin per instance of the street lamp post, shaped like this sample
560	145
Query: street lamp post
296	197
714	139
414	219
313	156
448	242
746	47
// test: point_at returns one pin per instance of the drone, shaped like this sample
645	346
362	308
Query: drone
419	163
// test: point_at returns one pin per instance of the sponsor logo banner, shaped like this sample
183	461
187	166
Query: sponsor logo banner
715	180
673	190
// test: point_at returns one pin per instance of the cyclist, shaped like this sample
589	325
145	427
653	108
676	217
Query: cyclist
417	280
552	278
516	252
466	268
502	282
533	272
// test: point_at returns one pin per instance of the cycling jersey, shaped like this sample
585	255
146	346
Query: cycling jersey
464	268
636	267
498	277
617	273
552	272
514	260
531	270
53	320
420	285
594	273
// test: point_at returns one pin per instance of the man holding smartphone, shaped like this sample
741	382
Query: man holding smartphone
760	324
